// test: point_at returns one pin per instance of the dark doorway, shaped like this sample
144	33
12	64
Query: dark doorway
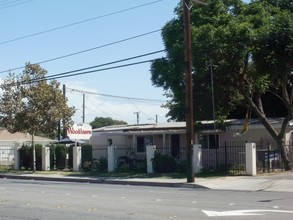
175	143
140	144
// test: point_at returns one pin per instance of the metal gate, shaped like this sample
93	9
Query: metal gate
229	159
269	160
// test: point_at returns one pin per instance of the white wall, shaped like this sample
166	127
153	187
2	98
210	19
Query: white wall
101	140
252	135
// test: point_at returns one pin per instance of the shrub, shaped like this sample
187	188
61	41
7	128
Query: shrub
124	168
164	163
38	148
26	157
182	166
60	155
86	166
99	165
86	153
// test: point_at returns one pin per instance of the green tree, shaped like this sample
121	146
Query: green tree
102	122
249	47
32	104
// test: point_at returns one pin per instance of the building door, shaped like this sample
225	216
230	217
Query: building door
140	144
175	143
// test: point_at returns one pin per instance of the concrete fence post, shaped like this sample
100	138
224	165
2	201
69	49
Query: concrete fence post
16	156
111	158
45	158
250	154
150	154
291	158
291	149
76	158
197	160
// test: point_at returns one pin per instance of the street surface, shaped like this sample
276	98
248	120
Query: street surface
30	199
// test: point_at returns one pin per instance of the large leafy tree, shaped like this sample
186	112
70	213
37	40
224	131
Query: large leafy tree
32	104
248	48
99	122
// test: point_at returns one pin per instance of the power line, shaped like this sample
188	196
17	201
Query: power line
77	72
103	108
87	50
13	3
96	108
93	71
106	64
79	22
112	96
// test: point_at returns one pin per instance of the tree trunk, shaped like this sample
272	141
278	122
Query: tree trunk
278	137
285	154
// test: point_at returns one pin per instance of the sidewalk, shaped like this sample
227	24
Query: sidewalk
281	182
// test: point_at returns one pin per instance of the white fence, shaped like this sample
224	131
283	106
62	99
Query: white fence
7	155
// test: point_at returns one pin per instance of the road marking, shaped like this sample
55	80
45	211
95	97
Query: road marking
242	212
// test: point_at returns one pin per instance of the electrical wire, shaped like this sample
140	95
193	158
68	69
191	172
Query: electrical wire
113	96
93	71
107	64
103	108
77	72
84	51
79	22
13	3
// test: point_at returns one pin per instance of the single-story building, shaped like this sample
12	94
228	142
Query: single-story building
19	137
171	137
8	142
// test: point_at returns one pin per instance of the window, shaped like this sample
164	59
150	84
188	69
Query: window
142	142
210	141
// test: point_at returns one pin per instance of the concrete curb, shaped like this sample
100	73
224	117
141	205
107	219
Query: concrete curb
102	181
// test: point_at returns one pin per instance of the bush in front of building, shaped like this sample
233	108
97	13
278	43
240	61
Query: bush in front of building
164	163
102	165
86	157
26	157
60	156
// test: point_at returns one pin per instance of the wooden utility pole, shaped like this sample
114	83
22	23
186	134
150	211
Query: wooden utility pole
137	116
83	108
188	92
189	88
63	121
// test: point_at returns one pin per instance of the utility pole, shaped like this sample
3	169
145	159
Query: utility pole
188	92
63	121
189	89
83	108
137	117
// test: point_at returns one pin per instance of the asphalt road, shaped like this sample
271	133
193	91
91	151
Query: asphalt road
30	199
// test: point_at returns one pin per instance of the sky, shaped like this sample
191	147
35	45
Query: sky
68	35
89	33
